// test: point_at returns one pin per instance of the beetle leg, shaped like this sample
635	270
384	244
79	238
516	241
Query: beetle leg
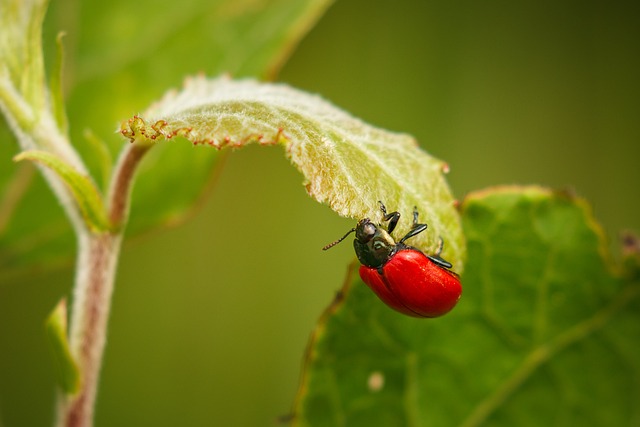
392	217
415	227
437	258
440	246
440	262
383	208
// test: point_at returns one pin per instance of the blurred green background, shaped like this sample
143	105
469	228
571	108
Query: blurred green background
206	334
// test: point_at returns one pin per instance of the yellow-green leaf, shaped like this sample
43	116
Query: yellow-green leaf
57	95
84	191
67	372
347	163
21	62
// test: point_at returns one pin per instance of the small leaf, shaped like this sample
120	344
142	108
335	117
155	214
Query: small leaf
67	372
347	163
83	190
21	61
543	330
57	93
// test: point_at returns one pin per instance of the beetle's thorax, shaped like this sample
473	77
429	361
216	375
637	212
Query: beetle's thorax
373	244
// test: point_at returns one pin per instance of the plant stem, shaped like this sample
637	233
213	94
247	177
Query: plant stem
120	189
98	255
97	262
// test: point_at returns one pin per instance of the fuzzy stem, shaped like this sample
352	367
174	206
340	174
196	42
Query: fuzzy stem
98	255
120	189
97	260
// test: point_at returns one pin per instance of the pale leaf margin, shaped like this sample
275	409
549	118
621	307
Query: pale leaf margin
347	163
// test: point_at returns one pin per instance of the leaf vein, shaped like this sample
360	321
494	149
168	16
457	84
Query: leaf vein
543	353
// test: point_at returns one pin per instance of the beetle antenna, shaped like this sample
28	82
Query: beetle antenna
330	245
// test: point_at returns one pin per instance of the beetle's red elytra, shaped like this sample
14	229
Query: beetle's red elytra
403	277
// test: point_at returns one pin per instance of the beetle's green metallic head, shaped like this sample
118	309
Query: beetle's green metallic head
373	244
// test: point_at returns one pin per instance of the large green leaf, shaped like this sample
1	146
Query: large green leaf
119	57
545	333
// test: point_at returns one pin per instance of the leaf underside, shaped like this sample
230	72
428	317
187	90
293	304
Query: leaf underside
544	333
347	163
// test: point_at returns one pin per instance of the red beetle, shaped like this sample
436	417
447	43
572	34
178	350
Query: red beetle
402	276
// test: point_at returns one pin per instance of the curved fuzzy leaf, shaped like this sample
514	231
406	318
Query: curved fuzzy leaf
21	61
84	191
348	164
68	374
544	334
